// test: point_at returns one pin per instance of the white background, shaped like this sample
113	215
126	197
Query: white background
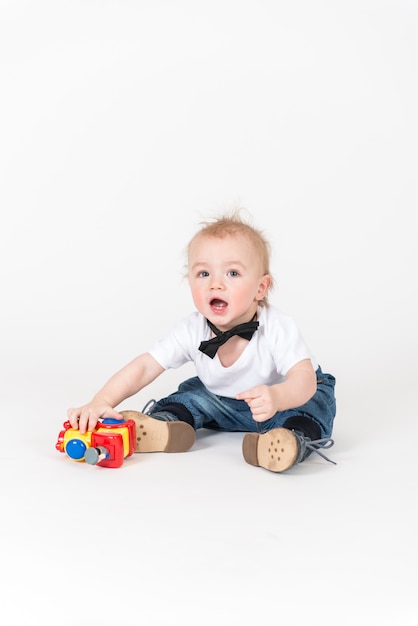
122	125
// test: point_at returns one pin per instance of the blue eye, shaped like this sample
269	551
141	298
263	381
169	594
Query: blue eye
203	274
233	273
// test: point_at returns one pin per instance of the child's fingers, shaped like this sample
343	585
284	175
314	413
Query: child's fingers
246	395
114	414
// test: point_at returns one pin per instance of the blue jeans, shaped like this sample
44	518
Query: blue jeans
228	414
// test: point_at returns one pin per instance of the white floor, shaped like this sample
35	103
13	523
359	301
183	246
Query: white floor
204	538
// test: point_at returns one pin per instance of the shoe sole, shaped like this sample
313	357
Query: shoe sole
276	450
154	435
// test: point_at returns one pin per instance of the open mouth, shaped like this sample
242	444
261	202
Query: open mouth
218	305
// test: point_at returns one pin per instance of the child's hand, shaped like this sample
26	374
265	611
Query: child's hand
86	417
262	401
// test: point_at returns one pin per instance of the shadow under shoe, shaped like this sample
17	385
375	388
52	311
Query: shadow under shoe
153	435
280	448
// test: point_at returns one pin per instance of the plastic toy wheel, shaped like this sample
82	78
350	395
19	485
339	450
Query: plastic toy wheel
75	449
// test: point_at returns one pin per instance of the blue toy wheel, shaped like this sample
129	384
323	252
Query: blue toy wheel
75	449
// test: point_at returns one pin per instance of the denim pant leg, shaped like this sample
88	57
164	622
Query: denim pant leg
321	408
228	414
209	410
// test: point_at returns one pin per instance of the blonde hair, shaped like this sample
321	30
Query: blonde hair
233	224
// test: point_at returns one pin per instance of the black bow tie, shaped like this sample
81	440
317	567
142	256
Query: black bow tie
210	347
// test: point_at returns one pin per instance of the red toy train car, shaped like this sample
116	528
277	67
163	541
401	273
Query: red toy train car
107	445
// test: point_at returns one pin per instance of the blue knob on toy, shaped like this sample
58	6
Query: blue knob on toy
112	420
75	448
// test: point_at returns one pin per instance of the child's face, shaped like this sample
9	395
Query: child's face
226	279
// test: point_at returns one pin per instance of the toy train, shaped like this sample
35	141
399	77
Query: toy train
107	445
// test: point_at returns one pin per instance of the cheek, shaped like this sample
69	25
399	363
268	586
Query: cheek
197	293
247	292
242	297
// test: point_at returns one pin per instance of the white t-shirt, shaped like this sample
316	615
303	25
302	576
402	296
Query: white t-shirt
276	346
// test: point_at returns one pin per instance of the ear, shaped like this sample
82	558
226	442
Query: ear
263	286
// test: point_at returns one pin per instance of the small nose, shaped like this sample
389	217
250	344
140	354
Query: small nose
216	283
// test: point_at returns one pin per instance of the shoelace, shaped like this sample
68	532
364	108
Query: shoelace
148	406
319	443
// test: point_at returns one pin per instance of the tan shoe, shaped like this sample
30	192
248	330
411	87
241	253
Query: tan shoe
154	435
280	448
276	450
